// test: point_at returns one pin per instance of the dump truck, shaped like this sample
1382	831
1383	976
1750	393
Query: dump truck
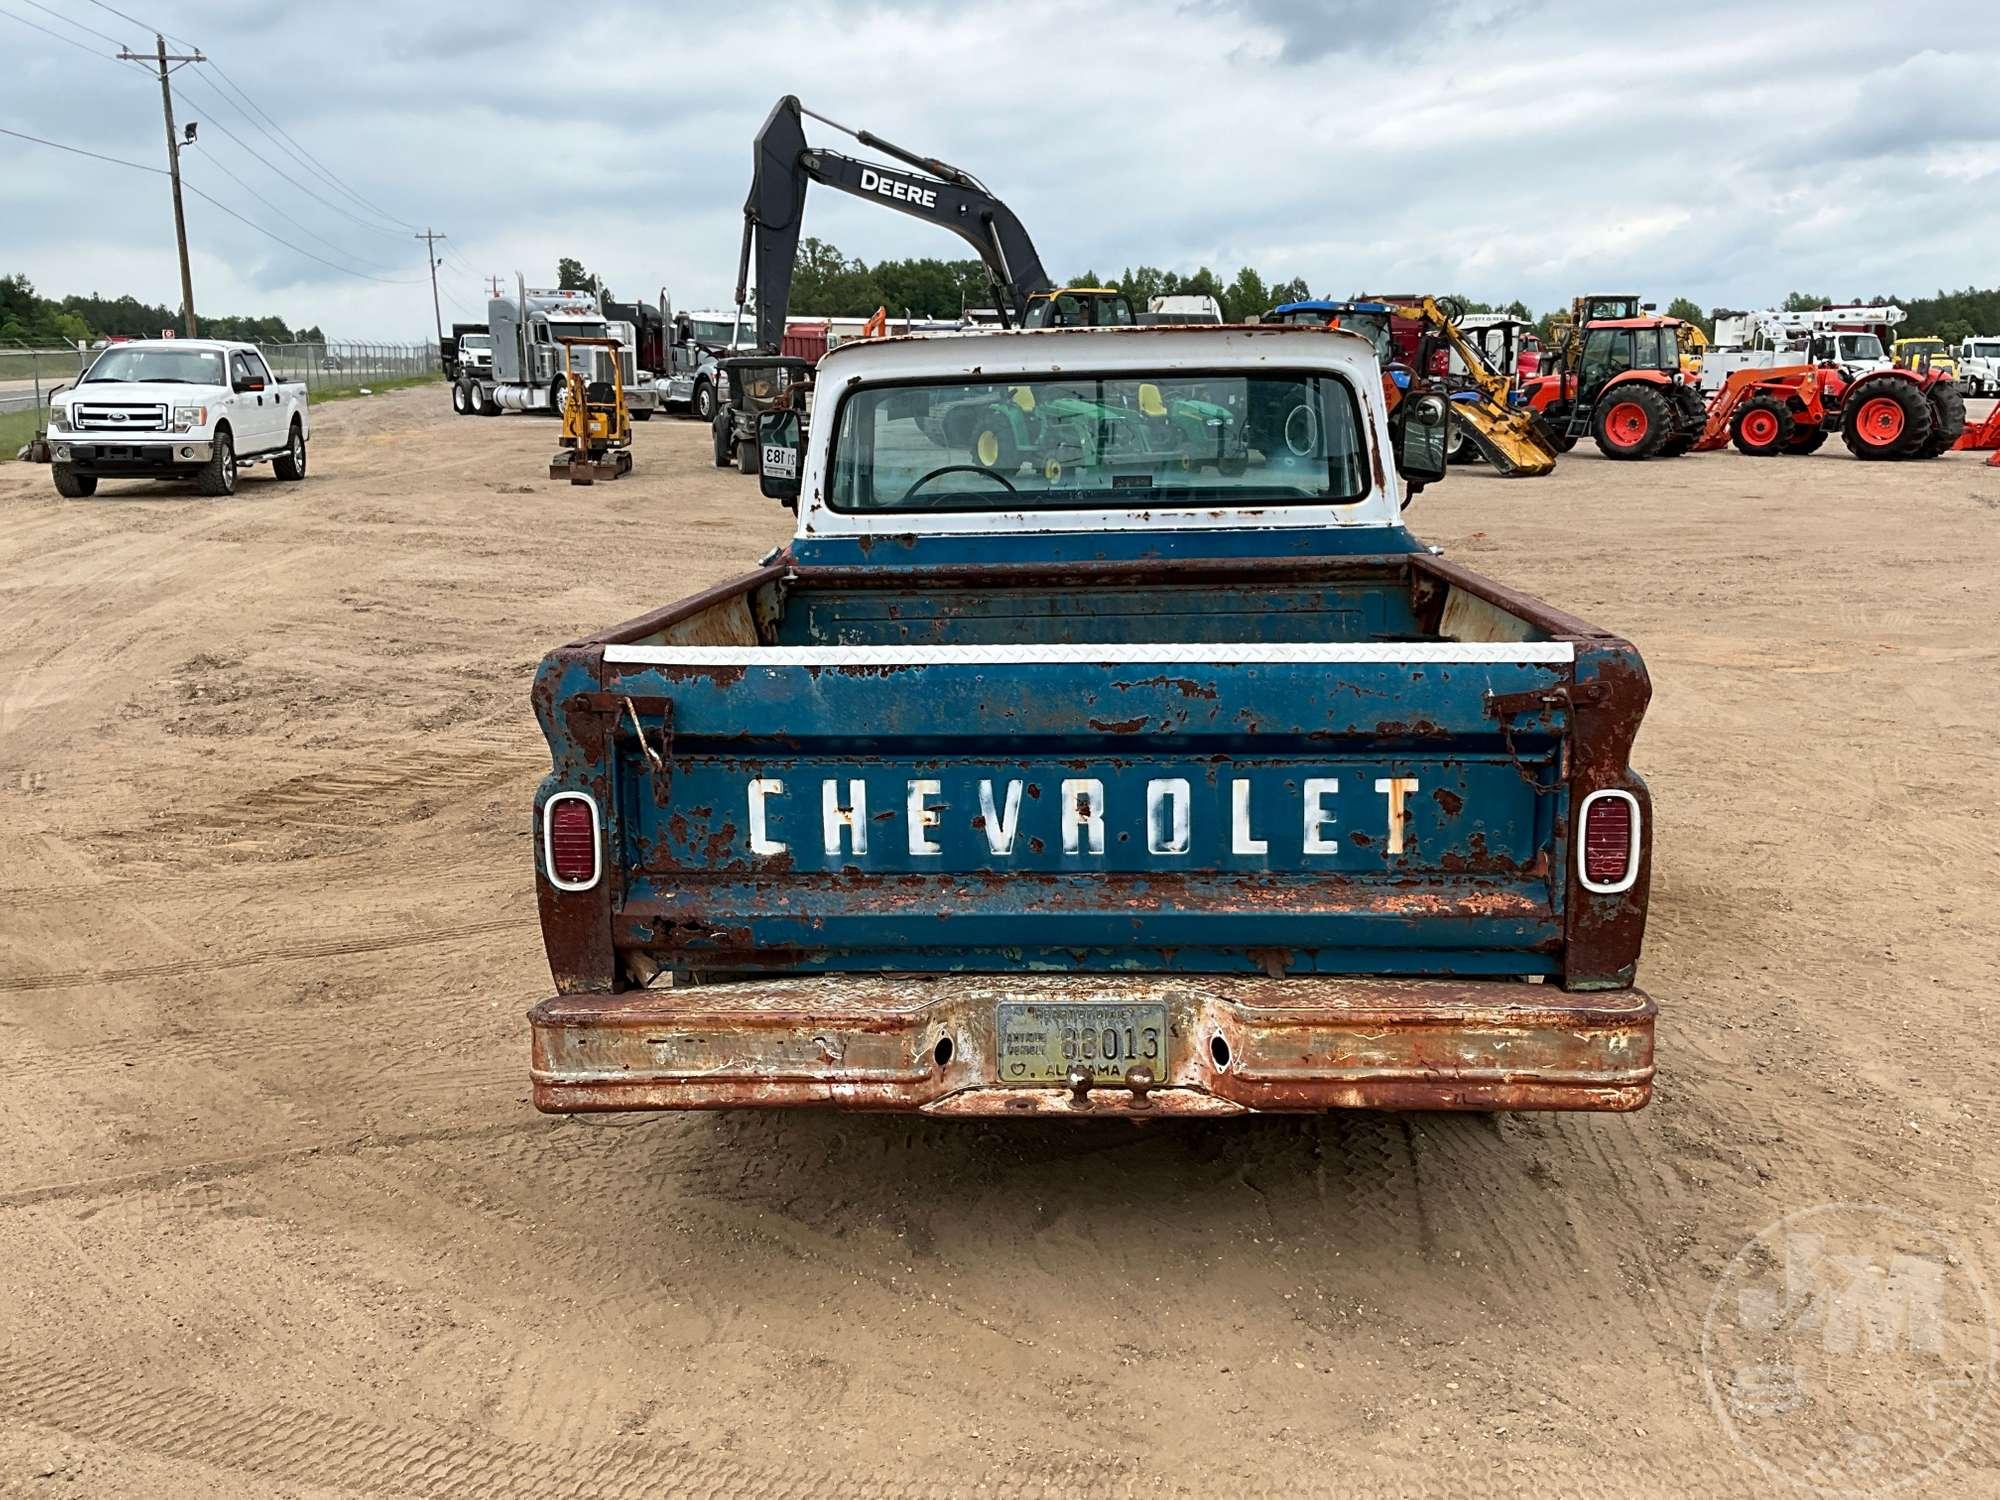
1105	782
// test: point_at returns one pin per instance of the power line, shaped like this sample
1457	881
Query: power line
116	161
101	36
324	171
308	158
218	203
130	21
119	161
316	197
337	249
69	40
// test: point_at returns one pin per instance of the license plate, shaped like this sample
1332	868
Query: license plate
1041	1043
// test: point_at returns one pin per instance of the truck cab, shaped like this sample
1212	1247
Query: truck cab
1979	366
188	409
1142	764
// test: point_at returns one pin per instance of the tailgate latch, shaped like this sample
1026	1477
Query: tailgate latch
1541	700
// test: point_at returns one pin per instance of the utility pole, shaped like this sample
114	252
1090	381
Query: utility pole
430	254
492	288
162	57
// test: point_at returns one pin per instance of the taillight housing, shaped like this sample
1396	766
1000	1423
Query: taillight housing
572	841
1607	843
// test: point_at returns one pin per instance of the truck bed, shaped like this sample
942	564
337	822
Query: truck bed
1326	766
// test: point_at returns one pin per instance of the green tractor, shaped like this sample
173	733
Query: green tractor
1061	433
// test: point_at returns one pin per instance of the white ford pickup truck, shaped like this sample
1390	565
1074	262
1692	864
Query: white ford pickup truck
189	409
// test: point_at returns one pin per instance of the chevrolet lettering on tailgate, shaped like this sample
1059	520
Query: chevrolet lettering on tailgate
1102	744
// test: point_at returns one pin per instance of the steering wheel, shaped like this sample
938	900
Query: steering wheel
960	469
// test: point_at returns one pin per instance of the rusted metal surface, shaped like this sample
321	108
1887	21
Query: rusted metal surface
1471	875
1237	1045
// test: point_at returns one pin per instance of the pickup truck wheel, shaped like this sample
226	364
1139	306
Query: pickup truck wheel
218	475
1885	417
72	485
704	401
291	464
1763	428
1631	422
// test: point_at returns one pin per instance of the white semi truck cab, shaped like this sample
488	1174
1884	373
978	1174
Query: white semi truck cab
527	330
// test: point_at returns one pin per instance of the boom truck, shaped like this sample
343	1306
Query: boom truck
527	371
784	166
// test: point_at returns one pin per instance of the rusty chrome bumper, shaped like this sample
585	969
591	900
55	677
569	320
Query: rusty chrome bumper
928	1044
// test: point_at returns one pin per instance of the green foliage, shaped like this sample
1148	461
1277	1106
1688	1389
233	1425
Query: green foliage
571	276
1688	311
29	318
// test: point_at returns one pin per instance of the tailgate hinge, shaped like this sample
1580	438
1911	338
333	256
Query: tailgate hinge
1541	700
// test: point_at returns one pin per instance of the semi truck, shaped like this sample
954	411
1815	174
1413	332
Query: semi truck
527	370
1145	765
1979	365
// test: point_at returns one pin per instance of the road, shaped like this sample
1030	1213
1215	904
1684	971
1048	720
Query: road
278	1220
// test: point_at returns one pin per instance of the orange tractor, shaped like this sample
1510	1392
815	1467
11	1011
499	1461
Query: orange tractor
1843	384
1984	436
1616	371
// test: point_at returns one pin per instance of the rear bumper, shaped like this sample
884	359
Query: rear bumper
1288	1045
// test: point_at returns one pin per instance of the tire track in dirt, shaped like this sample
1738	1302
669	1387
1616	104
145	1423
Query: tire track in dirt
294	953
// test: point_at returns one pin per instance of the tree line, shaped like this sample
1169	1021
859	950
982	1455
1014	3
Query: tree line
27	317
827	283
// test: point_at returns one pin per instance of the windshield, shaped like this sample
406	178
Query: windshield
476	341
1079	310
574	328
1983	351
707	332
1855	346
162	366
1104	443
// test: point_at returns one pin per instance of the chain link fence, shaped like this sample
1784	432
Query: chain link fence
27	375
327	368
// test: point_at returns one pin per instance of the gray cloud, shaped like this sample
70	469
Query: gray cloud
1490	147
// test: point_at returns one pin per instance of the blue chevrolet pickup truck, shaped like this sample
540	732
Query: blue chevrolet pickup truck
1102	744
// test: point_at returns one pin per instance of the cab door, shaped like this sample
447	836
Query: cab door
255	407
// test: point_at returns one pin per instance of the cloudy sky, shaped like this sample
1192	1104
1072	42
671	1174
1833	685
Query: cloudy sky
1495	148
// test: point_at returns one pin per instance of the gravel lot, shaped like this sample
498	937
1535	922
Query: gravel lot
278	1220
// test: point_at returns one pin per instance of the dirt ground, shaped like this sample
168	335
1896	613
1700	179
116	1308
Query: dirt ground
276	1217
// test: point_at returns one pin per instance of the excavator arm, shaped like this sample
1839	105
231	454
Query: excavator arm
936	192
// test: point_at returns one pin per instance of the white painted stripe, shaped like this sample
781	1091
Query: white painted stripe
1389	653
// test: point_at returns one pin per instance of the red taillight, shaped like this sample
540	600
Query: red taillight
570	840
1608	847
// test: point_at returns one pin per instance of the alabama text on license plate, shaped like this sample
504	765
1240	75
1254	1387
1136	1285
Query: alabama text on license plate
1041	1043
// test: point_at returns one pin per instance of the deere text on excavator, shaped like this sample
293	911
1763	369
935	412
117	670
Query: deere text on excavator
784	166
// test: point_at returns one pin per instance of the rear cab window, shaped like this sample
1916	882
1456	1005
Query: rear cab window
1117	441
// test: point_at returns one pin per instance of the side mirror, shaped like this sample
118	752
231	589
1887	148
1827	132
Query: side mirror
1422	433
778	438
